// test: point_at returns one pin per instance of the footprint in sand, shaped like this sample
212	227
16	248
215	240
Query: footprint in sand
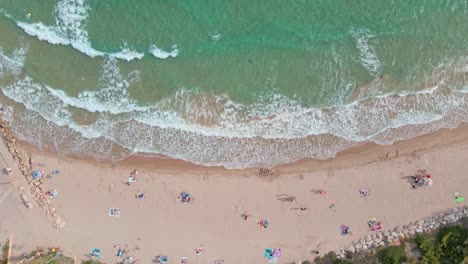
111	187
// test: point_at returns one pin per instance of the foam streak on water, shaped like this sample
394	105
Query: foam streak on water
367	54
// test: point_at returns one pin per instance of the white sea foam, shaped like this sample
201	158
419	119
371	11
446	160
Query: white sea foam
127	54
14	63
70	29
215	36
162	54
214	130
367	54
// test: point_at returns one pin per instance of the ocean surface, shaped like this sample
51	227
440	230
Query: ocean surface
231	83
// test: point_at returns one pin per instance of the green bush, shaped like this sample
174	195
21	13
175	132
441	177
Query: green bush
449	246
427	247
392	255
452	242
5	250
342	261
330	258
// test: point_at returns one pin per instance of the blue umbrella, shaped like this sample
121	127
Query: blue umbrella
36	175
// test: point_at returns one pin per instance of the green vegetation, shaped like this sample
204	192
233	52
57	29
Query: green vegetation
5	250
330	258
450	245
52	259
392	254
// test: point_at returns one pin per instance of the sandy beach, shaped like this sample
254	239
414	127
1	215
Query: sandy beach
160	224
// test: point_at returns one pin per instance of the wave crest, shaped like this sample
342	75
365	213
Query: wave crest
215	130
70	29
161	54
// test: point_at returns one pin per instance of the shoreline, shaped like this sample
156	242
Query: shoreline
364	153
160	225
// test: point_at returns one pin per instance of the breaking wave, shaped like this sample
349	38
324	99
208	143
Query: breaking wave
215	130
161	54
70	29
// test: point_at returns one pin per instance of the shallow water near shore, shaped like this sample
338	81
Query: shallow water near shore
234	84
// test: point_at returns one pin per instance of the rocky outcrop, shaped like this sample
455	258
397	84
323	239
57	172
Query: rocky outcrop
393	236
24	164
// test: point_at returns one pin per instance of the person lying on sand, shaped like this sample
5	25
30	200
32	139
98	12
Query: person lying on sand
288	199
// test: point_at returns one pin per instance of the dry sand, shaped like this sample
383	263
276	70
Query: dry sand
160	224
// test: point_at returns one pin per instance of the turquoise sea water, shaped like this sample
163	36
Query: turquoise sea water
232	83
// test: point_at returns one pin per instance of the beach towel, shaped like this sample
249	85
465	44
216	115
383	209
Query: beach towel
184	260
263	223
95	253
364	192
114	212
131	179
277	252
344	230
185	197
268	253
219	261
458	197
162	259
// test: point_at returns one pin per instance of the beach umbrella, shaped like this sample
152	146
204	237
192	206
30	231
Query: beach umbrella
37	175
428	183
